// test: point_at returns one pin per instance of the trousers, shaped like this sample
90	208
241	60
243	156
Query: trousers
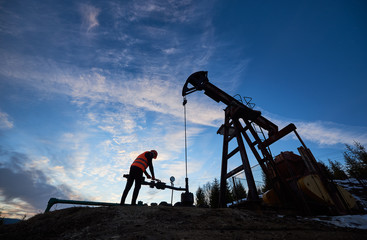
135	174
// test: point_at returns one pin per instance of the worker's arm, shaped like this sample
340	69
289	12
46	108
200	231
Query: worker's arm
149	156
147	174
152	170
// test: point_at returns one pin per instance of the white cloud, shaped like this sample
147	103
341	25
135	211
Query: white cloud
125	139
169	11
89	16
170	50
322	132
177	168
5	122
328	133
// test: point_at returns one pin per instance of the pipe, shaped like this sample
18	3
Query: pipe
54	201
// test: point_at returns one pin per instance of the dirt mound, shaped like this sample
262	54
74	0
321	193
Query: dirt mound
138	222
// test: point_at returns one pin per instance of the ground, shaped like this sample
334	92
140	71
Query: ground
163	222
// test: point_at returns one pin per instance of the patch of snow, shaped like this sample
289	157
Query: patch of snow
237	202
350	221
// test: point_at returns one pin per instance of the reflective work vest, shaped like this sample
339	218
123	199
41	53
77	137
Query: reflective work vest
141	161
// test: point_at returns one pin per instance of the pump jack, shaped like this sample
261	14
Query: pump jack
298	181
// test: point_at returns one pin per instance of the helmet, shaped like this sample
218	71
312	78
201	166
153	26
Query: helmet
155	153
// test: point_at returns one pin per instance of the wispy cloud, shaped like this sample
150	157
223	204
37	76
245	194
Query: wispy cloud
329	133
157	93
5	122
152	94
89	16
168	11
170	50
322	132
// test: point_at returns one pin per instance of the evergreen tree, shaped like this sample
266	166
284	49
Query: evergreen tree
200	198
356	161
327	171
214	194
209	193
337	170
239	190
267	183
229	193
207	188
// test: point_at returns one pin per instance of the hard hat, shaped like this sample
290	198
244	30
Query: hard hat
155	153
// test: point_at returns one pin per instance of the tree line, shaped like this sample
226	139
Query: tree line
355	158
208	194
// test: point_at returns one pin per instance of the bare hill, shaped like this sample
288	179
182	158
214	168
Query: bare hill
138	222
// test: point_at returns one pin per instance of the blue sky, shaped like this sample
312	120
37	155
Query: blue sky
88	85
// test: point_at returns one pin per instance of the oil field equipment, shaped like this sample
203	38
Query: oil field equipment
298	181
187	198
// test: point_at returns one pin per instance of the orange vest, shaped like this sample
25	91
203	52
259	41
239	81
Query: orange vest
141	161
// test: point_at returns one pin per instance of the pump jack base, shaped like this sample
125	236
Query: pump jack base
187	199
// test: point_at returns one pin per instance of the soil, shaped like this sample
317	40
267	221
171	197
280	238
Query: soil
162	222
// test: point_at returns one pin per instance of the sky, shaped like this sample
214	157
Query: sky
86	86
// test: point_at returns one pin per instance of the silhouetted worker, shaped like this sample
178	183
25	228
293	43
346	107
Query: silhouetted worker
137	168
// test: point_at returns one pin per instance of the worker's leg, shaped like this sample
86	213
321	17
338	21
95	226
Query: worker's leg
139	176
130	181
